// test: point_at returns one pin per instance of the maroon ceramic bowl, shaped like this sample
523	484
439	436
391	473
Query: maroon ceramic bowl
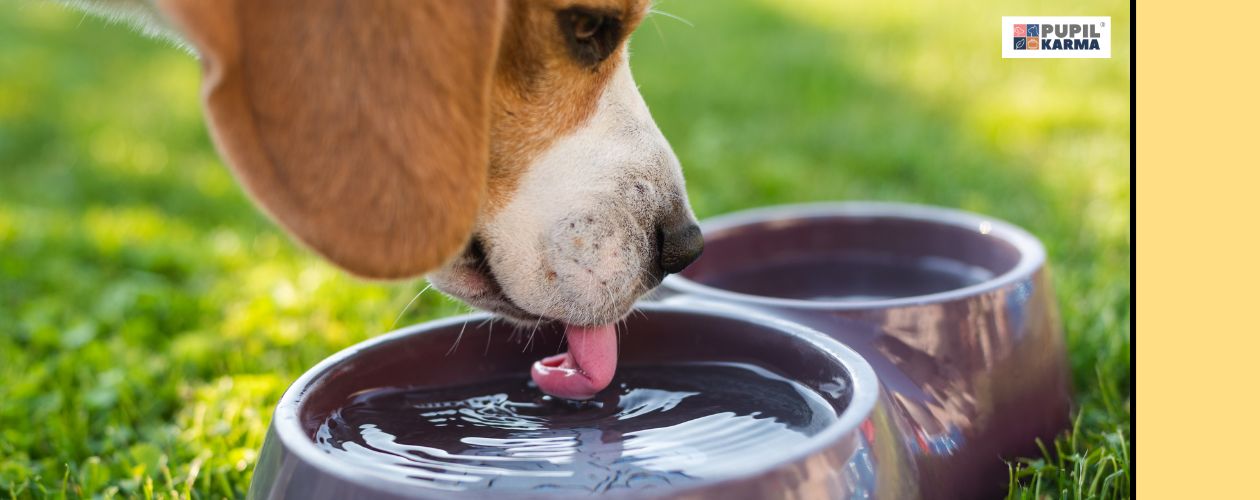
953	310
860	454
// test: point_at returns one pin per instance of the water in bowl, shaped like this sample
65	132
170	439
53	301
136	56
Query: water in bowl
655	426
849	277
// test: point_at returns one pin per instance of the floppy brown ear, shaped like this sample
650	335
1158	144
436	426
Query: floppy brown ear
360	126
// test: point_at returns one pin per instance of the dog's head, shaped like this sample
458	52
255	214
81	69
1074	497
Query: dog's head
501	146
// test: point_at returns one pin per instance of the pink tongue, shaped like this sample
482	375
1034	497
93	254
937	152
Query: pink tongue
586	369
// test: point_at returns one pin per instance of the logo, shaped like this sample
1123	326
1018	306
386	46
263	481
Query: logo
1044	37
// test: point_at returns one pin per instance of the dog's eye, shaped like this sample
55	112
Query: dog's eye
585	25
591	35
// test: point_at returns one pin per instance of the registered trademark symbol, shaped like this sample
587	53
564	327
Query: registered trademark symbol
1104	24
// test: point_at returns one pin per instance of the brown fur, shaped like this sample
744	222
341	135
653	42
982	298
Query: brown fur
373	130
540	93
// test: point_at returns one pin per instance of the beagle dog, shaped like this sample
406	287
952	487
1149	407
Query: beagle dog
499	147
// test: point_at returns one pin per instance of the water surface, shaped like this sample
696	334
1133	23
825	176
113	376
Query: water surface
850	276
655	426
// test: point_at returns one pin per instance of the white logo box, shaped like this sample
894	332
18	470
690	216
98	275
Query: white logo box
1087	25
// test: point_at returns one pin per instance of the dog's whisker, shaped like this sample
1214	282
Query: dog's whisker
457	338
559	345
489	335
646	287
408	306
532	331
675	17
612	300
660	34
529	342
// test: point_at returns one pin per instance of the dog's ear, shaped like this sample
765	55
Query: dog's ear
360	126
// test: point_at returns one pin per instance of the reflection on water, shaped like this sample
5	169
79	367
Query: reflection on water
850	276
655	426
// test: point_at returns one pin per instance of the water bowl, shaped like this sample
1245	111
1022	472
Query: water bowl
708	402
953	310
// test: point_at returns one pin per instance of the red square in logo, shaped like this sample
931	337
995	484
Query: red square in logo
1020	29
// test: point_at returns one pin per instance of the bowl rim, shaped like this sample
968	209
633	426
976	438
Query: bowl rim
286	425
1032	254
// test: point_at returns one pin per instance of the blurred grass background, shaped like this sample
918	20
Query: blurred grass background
150	317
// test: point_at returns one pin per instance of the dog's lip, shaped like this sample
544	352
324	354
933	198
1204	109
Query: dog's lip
498	300
500	304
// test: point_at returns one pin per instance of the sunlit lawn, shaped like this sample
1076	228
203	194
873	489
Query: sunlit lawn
150	317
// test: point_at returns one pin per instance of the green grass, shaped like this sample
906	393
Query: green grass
150	317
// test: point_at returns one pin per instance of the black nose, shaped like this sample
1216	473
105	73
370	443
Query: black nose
680	242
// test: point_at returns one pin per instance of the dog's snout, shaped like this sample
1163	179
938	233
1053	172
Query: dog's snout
680	244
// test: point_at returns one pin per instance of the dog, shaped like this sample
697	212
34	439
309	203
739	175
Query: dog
499	147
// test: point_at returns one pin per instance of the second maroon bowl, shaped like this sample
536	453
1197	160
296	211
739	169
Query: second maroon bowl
953	310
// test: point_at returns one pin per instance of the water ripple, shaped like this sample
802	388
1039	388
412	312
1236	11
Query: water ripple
657	426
